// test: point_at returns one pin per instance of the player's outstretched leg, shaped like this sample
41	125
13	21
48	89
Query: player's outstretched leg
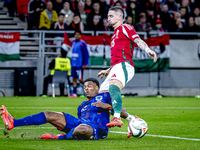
117	106
11	123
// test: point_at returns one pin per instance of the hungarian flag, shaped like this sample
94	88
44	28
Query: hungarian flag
142	61
67	45
9	46
107	49
95	46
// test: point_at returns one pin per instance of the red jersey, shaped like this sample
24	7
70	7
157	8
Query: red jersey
122	45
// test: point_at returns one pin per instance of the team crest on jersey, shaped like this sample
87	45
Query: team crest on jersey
99	98
114	75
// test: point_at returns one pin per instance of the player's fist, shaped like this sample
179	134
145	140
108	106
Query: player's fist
152	54
103	73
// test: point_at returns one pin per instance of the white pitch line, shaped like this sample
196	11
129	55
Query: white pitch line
44	108
162	136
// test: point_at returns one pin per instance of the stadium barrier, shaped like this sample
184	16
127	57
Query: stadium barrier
38	59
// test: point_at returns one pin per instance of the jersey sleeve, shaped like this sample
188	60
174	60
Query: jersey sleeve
130	32
79	111
107	98
85	54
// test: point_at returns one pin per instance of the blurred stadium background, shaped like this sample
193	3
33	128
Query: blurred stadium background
24	77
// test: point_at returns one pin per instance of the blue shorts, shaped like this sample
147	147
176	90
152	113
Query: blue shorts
73	122
77	72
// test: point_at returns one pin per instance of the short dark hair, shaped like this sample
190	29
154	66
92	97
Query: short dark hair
77	31
93	80
118	2
128	16
117	9
142	15
61	14
63	52
191	17
182	8
75	15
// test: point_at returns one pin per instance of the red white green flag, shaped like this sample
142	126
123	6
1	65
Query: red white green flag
95	46
9	46
142	61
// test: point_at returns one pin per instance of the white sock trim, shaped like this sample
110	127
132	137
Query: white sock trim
129	118
117	115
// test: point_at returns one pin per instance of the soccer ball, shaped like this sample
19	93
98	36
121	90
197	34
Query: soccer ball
137	127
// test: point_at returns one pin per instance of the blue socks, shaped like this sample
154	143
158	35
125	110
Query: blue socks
74	90
36	119
39	119
68	136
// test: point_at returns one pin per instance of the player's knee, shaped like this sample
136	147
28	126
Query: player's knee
80	130
84	131
49	115
116	83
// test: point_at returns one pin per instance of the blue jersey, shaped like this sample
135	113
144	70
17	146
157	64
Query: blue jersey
96	115
80	55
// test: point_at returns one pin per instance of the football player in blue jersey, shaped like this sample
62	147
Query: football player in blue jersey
93	115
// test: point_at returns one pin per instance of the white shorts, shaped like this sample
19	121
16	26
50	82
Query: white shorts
123	72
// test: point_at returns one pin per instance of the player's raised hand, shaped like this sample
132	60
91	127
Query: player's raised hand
152	54
142	45
103	73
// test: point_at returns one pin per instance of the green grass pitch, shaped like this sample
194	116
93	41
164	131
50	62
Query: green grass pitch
174	123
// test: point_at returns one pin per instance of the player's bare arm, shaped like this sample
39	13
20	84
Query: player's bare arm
102	105
143	46
103	73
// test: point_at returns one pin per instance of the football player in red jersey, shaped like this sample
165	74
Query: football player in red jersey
122	67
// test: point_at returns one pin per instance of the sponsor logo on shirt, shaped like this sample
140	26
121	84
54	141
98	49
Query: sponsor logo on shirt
114	102
114	75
